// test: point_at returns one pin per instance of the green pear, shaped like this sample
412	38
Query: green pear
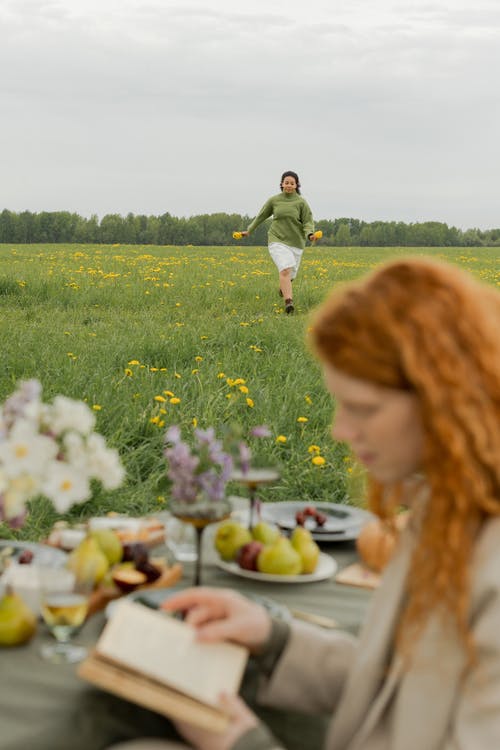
17	621
229	538
88	562
280	558
307	548
110	544
265	533
300	535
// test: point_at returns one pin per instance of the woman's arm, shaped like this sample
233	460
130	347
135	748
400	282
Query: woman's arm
311	671
265	212
306	219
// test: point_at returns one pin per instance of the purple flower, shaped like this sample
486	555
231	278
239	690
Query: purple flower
245	455
205	467
260	431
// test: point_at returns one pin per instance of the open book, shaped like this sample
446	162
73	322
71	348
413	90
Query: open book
154	660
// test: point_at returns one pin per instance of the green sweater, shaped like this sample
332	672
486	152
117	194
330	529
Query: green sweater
292	219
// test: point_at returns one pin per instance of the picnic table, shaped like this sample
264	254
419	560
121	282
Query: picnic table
47	707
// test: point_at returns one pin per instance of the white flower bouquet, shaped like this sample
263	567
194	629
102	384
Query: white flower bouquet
50	450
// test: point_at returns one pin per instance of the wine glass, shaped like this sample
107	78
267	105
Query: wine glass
253	479
64	604
200	513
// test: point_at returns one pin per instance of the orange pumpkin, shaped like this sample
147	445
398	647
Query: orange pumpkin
377	540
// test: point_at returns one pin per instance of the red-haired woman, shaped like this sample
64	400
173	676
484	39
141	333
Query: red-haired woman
411	355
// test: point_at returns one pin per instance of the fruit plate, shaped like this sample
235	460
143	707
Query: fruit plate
343	522
103	595
326	568
43	554
149	531
154	597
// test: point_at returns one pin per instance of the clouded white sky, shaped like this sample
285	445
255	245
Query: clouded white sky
387	109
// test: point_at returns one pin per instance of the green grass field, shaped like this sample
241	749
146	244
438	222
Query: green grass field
123	327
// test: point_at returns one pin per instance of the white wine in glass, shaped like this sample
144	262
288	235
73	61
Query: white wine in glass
199	514
64	606
253	479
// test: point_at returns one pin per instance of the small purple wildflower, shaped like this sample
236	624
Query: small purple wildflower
260	431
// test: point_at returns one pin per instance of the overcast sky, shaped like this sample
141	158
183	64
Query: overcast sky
387	109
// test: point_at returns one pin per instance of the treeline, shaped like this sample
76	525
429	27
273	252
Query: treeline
216	229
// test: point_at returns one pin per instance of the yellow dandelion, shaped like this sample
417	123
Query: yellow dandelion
160	499
194	422
229	395
221	375
243	389
250	403
203	338
177	304
128	372
168	393
175	400
134	362
97	407
308	400
155	420
318	460
198	359
193	372
177	375
160	399
153	369
302	419
239	381
314	449
162	411
281	439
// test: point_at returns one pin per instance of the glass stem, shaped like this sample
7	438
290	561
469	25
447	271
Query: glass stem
253	498
197	568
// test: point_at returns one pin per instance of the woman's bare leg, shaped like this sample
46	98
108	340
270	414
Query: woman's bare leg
286	283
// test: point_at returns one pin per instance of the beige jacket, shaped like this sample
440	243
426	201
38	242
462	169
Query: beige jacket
437	704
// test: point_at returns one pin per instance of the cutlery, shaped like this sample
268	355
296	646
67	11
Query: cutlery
323	622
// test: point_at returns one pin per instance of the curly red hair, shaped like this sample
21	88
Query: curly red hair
429	328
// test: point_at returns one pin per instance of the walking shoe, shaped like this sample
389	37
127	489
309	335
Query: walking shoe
289	308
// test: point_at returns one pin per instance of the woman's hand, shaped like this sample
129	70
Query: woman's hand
245	234
223	615
241	719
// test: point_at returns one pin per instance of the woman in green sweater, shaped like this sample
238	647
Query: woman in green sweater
292	224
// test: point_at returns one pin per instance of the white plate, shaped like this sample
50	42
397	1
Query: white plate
343	523
326	567
154	597
43	554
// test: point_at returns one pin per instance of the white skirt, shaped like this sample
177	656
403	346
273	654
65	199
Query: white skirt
285	256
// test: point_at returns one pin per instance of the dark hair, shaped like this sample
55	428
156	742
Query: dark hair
295	177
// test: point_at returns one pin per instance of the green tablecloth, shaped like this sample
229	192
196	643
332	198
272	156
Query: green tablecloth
47	707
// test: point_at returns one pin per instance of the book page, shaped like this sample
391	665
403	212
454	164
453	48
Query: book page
166	649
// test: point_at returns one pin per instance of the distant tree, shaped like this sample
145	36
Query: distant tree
366	237
472	238
343	236
113	228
